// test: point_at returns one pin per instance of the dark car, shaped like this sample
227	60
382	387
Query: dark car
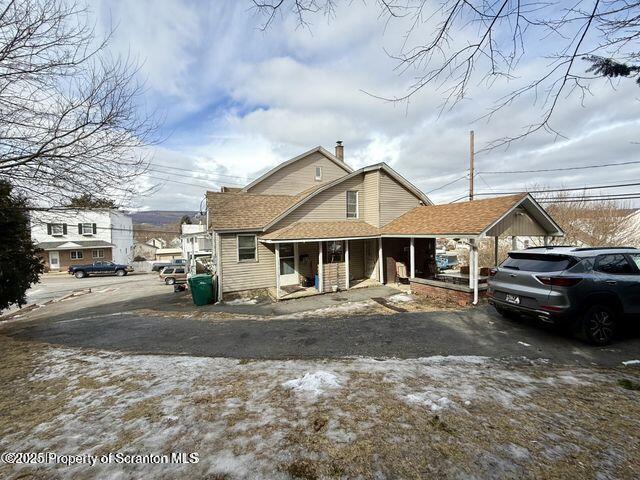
158	266
99	268
590	289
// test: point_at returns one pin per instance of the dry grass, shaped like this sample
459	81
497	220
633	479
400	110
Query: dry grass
524	421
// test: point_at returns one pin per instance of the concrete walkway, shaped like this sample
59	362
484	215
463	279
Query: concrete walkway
267	307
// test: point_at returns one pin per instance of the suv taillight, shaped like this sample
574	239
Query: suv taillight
492	272
559	281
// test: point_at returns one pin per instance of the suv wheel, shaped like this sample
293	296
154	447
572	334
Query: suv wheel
121	273
599	325
170	280
79	274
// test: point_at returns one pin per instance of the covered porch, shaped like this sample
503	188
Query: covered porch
412	238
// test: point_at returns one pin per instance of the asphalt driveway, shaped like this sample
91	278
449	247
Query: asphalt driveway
404	335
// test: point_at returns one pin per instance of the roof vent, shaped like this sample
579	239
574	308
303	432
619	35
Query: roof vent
340	150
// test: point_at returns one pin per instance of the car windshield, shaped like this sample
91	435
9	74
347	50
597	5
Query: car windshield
537	263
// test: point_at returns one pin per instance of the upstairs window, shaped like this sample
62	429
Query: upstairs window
352	204
318	176
87	228
57	229
247	248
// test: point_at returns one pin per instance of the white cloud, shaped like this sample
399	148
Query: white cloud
241	100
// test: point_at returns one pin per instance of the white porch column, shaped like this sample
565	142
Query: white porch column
346	263
277	271
320	267
412	258
471	254
473	271
514	243
380	261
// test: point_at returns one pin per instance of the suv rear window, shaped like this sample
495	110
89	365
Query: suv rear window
537	263
167	270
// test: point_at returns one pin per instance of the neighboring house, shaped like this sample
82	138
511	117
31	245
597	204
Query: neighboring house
168	254
157	242
75	237
195	241
313	223
144	250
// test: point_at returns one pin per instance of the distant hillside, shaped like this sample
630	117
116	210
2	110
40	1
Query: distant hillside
160	217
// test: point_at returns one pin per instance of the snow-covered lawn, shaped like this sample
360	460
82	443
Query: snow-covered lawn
436	417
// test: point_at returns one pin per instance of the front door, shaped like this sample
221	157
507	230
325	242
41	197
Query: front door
54	260
288	271
370	258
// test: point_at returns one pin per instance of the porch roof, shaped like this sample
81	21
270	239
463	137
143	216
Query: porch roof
472	218
323	230
74	244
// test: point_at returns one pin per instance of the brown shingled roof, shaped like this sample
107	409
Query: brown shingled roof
312	230
245	210
454	218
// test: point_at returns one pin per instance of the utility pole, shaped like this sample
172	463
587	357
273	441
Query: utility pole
471	155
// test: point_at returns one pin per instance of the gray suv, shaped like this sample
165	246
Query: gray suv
592	289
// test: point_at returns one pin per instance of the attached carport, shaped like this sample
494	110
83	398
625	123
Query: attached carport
468	222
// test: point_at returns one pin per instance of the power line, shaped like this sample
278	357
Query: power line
562	169
573	189
197	171
589	199
447	184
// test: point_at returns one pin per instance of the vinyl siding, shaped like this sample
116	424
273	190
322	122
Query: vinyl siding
329	205
371	198
299	176
238	276
356	259
515	224
394	199
334	274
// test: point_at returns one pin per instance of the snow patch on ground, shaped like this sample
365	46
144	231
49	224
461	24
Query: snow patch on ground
427	399
242	301
401	298
337	310
439	359
315	383
631	362
524	344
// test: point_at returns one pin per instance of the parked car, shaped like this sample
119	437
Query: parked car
592	289
173	274
158	266
99	268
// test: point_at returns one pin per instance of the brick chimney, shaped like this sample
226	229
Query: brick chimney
340	150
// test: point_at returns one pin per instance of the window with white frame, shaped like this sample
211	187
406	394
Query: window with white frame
76	254
352	204
98	253
87	229
57	229
318	176
247	248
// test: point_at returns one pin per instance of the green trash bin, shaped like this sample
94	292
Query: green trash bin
201	287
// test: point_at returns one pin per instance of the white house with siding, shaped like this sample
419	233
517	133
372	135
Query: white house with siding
75	237
313	224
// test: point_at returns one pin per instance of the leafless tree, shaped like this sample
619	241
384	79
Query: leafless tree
452	45
70	122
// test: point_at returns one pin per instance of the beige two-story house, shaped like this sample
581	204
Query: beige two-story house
313	224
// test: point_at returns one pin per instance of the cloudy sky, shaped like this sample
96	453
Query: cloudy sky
238	100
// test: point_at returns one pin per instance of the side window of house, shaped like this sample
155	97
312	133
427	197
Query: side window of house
334	252
76	254
247	248
352	204
318	176
614	264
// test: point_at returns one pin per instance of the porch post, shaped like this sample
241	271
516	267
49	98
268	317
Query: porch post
320	268
514	242
380	262
471	252
474	275
412	258
546	240
346	263
495	250
277	271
